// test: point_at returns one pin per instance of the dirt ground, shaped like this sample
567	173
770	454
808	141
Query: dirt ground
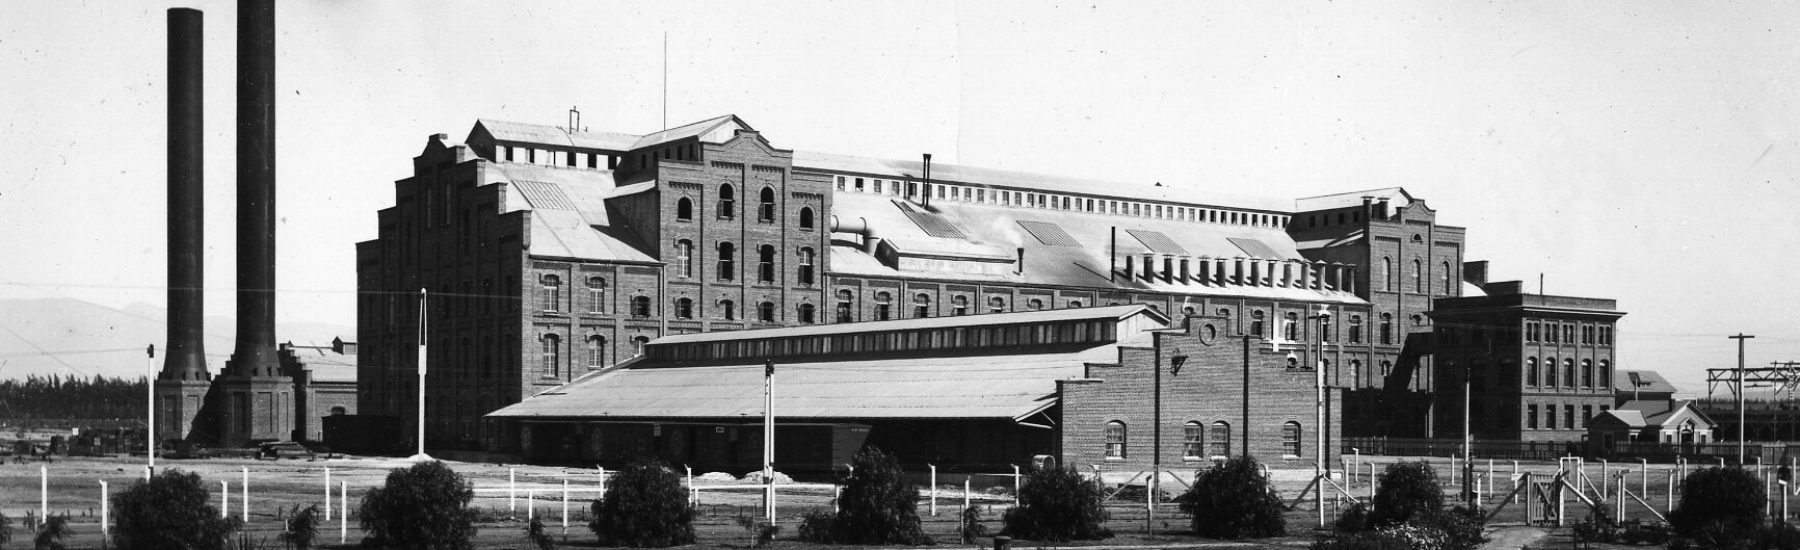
508	493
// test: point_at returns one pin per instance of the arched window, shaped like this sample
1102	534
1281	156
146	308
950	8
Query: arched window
765	264
1218	440
1115	440
1418	320
727	202
596	351
1531	371
1387	328
339	411
1077	303
552	294
1256	323
884	306
844	298
959	305
552	354
684	308
1550	372
765	312
1386	367
596	294
1418	276
804	275
1587	373
637	345
1387	273
996	304
1291	324
921	305
684	258
727	267
1606	374
640	306
1290	439
1356	329
806	313
766	211
1569	372
1444	277
684	209
727	310
806	217
1193	441
1035	304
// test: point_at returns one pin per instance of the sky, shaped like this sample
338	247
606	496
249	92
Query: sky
1641	151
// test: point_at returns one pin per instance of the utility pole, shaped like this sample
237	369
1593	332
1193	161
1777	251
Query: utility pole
1740	337
769	440
150	400
423	334
1319	410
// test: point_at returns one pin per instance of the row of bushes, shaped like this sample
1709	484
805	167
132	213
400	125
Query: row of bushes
426	506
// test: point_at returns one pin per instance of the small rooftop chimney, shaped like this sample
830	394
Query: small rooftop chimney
1381	208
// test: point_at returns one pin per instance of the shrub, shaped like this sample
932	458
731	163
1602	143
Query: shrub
1057	505
877	505
1353	520
425	506
1233	500
537	535
52	533
759	529
169	512
972	529
1462	527
5	529
302	527
1406	490
1729	498
1366	540
644	506
815	526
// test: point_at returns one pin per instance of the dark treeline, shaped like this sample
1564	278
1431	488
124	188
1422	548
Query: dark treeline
57	397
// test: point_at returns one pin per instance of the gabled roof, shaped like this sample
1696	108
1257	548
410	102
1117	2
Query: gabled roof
568	212
1397	198
502	130
713	130
1630	419
977	177
1642	381
1662	412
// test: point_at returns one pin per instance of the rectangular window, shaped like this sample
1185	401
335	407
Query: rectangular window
1115	441
1531	417
1193	439
877	187
1550	417
1569	417
1290	439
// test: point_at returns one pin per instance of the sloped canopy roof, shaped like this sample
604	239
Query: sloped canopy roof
568	212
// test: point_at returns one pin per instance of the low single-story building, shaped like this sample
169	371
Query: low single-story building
1649	427
973	393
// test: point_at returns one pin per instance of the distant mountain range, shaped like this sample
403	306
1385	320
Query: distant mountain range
66	336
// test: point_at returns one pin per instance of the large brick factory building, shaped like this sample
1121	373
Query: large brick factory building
563	262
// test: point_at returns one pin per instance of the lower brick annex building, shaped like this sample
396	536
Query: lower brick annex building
554	255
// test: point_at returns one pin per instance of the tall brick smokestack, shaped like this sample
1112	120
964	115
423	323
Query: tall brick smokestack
256	354
257	401
185	355
182	383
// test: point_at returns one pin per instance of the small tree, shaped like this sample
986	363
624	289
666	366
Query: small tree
52	533
1719	500
1234	500
1406	490
1057	505
425	506
5	529
538	536
877	505
644	506
169	512
302	527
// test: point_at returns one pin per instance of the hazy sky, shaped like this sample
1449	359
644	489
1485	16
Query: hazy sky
1643	151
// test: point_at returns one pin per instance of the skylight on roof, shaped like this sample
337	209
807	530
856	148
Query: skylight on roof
1158	242
1049	233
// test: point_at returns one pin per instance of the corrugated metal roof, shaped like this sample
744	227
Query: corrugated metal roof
994	232
685	131
326	364
1048	315
1397	198
551	135
543	195
1255	248
1629	418
995	387
930	222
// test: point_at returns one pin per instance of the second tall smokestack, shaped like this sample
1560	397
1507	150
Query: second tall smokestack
255	354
